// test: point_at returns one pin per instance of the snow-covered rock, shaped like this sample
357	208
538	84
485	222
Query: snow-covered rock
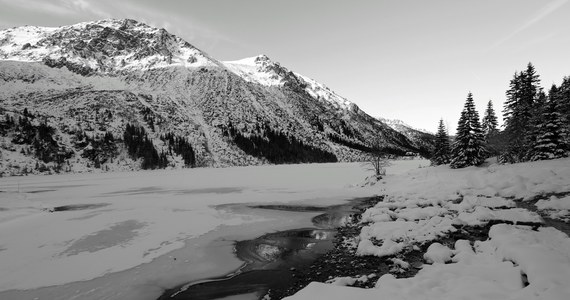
438	254
515	262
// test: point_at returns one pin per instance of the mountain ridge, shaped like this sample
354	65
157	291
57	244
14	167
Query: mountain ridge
225	112
397	123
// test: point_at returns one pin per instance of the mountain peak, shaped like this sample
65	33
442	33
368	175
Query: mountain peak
253	61
400	125
104	46
125	25
259	69
262	70
121	24
262	58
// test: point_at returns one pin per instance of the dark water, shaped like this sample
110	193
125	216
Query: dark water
548	222
73	207
269	260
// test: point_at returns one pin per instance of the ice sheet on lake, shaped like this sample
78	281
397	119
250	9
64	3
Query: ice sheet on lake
146	216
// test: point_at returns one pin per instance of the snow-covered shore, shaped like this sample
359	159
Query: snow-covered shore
424	205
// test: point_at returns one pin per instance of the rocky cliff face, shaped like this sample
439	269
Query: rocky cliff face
71	96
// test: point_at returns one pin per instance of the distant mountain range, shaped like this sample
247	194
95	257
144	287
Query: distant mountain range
122	95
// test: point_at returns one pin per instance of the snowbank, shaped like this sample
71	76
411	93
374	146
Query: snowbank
438	254
554	203
495	269
422	205
556	208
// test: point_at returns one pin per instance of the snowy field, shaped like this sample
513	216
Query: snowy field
130	235
514	262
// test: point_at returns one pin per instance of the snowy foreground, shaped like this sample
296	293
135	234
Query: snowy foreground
131	235
514	262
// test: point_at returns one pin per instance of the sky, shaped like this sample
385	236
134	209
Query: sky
412	60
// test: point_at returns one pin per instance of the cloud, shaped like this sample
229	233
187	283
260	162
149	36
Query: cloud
172	18
71	9
35	5
83	6
541	14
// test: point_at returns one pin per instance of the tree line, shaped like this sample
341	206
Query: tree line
139	145
536	126
180	146
40	138
277	147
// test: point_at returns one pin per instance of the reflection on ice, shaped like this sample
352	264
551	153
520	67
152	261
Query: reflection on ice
268	263
270	258
320	234
278	247
268	252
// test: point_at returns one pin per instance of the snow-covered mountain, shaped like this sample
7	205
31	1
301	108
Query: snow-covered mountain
119	94
420	138
260	69
108	46
400	125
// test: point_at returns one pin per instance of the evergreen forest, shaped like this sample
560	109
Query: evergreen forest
536	126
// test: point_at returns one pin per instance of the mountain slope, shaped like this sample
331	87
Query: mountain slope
85	85
420	139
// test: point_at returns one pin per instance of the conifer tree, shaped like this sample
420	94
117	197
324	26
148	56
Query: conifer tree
441	154
489	123
468	148
549	142
563	99
518	111
536	121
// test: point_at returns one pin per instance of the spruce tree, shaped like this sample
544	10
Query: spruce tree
549	142
563	99
469	146
441	154
518	111
536	122
489	123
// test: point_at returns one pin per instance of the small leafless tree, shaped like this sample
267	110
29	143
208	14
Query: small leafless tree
377	160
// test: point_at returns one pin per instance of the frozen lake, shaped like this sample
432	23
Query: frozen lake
132	235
